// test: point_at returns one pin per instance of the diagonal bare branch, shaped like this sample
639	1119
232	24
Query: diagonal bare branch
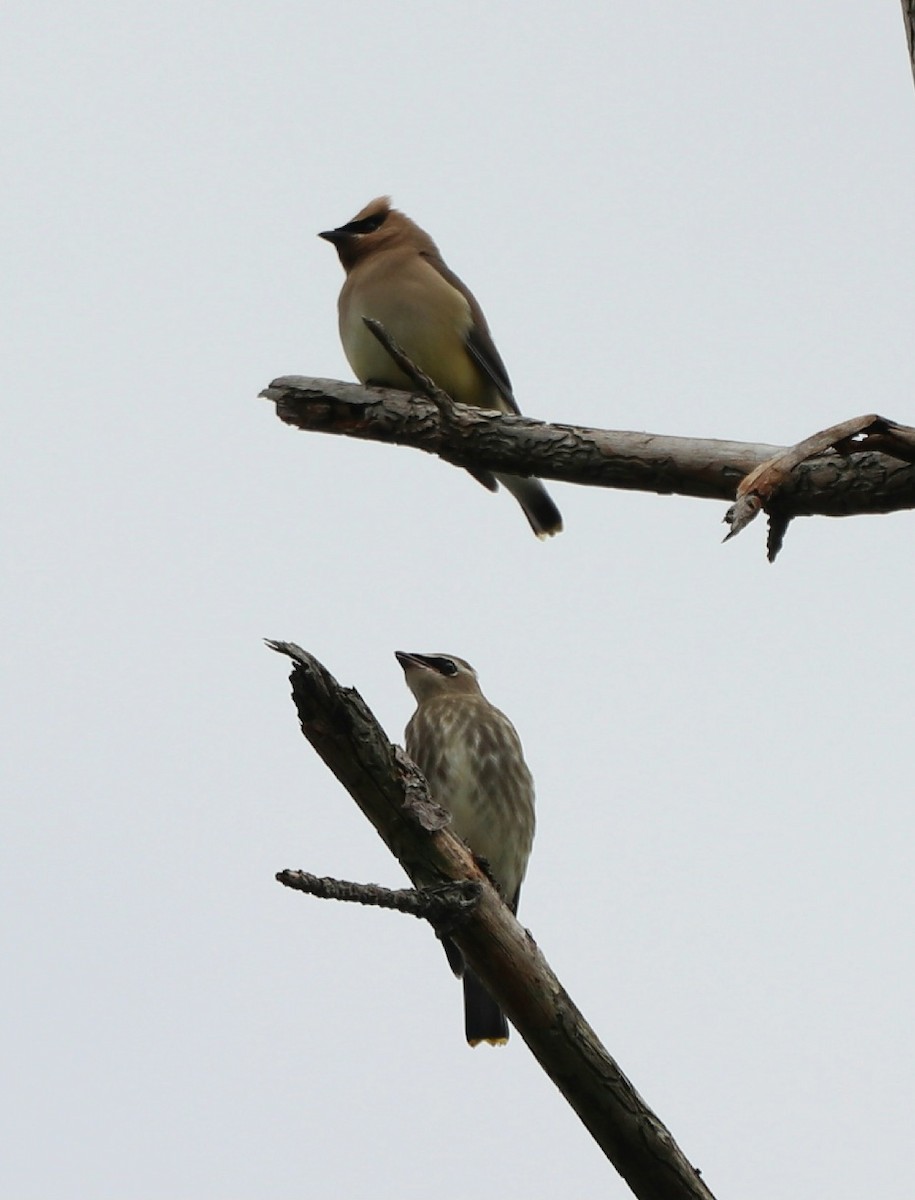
392	794
908	17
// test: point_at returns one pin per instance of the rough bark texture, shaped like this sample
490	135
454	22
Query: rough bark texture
392	794
834	485
908	17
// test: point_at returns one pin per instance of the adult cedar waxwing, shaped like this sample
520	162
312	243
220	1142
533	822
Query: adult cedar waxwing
472	759
395	274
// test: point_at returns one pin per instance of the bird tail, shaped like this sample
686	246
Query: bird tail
536	503
484	1021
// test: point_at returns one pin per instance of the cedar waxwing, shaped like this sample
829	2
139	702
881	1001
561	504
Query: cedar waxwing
395	274
472	759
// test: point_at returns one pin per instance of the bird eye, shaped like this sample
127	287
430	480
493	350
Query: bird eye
367	224
444	666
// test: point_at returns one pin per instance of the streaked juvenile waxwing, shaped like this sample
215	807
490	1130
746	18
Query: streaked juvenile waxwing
472	759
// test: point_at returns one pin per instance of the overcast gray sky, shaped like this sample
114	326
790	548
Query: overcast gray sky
687	220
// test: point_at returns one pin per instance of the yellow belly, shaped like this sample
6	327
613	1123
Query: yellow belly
429	319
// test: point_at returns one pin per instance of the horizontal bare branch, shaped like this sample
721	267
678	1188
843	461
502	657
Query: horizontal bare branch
392	793
832	485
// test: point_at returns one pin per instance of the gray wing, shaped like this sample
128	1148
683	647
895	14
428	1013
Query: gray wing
480	346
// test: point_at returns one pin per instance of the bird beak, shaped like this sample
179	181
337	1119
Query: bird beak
334	235
407	660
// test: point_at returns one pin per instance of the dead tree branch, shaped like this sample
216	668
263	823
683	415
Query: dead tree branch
392	793
908	17
763	487
857	478
441	906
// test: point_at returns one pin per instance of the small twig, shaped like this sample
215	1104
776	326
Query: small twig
757	490
441	399
885	437
740	514
778	527
444	904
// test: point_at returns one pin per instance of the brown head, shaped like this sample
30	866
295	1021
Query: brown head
431	675
377	227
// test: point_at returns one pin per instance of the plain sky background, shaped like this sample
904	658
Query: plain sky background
684	219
